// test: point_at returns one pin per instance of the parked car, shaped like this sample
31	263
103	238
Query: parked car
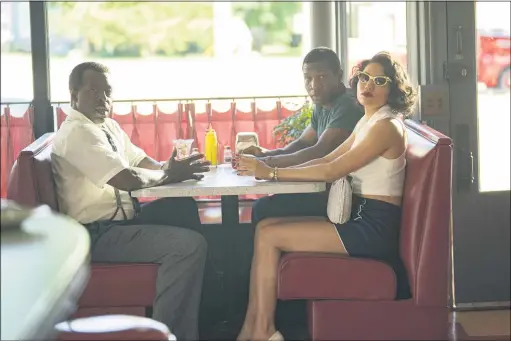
493	58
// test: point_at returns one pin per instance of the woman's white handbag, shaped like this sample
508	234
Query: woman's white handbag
339	201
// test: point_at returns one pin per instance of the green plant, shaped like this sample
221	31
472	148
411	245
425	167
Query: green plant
292	127
275	18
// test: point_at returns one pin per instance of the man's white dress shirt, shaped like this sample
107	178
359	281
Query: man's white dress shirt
83	161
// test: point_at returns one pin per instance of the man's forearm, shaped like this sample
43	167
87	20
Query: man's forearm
134	178
151	177
295	158
150	163
289	149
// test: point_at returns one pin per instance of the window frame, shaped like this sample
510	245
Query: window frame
43	110
415	65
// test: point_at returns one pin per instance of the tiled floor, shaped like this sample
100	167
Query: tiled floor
483	325
470	326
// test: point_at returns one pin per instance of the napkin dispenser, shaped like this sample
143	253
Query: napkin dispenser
245	140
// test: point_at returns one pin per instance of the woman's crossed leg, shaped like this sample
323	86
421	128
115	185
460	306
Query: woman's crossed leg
273	236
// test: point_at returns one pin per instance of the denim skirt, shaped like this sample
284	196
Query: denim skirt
373	232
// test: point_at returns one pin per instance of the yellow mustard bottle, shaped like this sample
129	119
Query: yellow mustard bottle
211	146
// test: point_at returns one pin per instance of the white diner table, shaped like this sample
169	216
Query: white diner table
223	181
45	267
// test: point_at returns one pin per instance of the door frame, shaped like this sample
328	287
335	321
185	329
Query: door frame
447	45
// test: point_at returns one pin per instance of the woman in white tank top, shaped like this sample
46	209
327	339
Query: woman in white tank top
374	157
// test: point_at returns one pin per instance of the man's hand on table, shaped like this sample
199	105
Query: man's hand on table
249	165
186	168
259	153
253	150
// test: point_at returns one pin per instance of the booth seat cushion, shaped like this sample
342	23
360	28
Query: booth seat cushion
328	276
120	285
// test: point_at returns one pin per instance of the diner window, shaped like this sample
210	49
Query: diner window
162	50
16	84
16	66
493	96
375	27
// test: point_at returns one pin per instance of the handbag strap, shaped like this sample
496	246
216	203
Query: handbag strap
134	201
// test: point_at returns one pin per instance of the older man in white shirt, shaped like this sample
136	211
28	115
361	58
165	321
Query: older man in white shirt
95	166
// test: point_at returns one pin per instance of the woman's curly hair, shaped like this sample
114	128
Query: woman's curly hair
402	95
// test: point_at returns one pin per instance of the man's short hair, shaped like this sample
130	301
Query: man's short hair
76	76
324	55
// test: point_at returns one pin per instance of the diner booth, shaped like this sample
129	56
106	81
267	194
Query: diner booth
56	292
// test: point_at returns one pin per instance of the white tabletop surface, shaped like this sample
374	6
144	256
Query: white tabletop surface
40	262
222	180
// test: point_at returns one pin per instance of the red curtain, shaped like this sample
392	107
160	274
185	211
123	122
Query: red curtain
157	126
145	135
168	129
125	115
60	116
154	127
199	113
16	129
222	122
5	152
244	119
265	121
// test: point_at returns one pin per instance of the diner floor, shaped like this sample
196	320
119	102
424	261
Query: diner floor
482	325
469	326
210	211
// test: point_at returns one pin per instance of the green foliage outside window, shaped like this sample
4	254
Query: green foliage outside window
293	126
275	19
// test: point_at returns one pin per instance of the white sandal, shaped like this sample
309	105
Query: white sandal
276	337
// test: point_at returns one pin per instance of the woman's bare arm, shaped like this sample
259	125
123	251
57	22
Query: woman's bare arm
382	136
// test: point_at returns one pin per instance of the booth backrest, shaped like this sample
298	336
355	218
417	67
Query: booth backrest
31	181
425	225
